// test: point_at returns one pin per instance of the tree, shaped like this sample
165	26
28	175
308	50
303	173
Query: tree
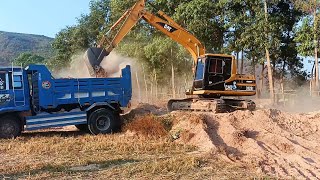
162	53
259	29
26	59
204	18
285	55
308	34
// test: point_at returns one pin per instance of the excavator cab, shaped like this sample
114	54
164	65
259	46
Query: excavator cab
216	76
212	72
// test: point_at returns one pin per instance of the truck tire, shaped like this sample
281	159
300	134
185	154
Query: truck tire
82	127
10	127
101	121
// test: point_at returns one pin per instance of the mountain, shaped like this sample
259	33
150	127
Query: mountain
13	44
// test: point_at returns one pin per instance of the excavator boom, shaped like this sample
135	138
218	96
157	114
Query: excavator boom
129	19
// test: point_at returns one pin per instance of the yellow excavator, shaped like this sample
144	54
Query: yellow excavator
215	75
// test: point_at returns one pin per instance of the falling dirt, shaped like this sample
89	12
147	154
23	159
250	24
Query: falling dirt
269	141
143	109
111	65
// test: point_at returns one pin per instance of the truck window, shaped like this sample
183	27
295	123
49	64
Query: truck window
3	81
17	82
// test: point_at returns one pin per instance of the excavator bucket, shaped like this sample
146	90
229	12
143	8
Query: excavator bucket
93	57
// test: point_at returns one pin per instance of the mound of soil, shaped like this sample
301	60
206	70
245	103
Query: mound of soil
143	109
146	126
270	141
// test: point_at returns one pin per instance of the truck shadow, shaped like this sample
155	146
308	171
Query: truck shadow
51	133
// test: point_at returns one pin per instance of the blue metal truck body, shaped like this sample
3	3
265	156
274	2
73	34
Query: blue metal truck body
36	100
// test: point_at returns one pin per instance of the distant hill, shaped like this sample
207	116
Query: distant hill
13	44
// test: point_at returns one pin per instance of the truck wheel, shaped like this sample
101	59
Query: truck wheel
101	121
10	127
82	127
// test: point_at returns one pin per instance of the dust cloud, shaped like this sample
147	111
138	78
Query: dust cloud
297	99
112	64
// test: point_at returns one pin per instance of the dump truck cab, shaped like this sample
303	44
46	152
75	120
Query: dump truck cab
14	90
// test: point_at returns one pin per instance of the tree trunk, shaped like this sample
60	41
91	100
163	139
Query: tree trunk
237	62
255	74
315	24
261	81
185	85
242	59
156	83
312	81
145	83
270	76
254	65
172	80
282	81
139	90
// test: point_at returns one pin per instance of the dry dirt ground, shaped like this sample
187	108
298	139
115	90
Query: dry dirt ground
266	143
272	142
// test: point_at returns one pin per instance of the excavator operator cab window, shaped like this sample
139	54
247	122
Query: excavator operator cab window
220	66
216	65
200	69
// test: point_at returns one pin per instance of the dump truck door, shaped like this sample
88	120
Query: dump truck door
18	90
5	96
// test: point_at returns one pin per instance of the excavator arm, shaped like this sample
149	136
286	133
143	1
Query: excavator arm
128	20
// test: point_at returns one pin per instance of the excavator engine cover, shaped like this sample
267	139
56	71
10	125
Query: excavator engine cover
94	56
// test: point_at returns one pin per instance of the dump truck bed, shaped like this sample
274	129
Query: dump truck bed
50	93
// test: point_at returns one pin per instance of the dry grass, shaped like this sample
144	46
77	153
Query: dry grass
74	155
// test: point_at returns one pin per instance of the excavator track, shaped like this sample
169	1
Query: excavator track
210	105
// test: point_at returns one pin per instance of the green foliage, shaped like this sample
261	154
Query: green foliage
223	26
204	18
26	59
305	37
252	33
161	53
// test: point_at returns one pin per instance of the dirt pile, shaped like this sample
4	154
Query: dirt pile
146	126
270	141
267	141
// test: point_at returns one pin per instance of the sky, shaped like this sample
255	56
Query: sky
42	17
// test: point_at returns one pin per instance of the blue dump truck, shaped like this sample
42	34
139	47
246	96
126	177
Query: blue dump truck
31	99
